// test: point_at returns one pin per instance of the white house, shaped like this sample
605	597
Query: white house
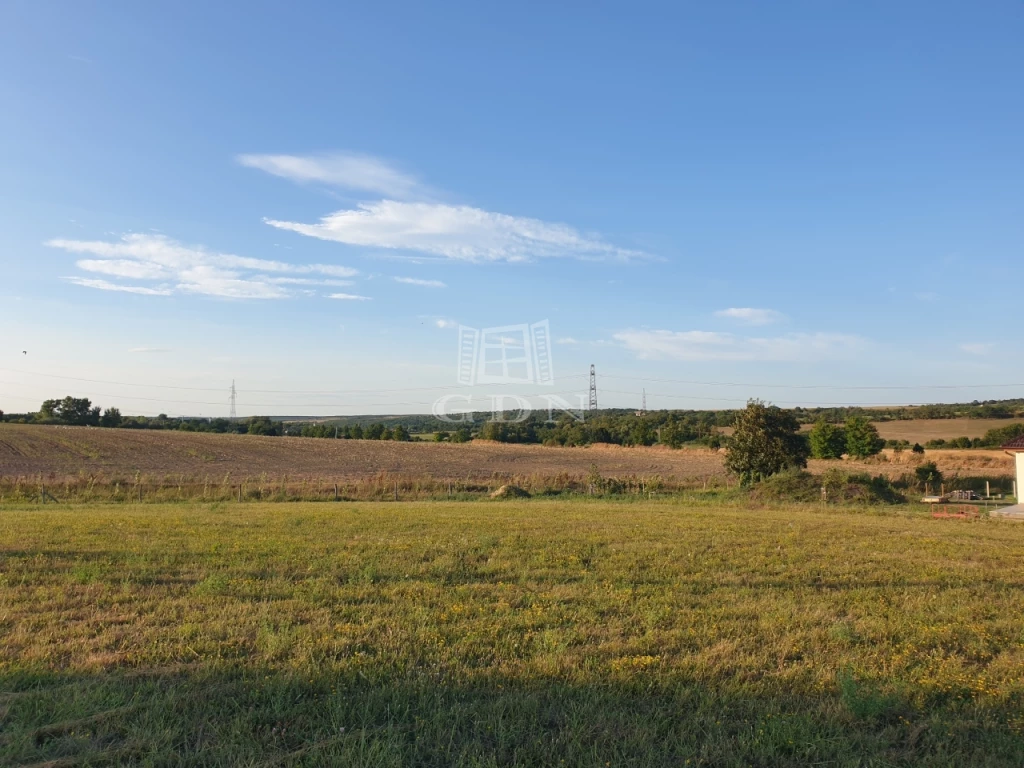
1016	449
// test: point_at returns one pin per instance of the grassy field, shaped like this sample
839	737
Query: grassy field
521	633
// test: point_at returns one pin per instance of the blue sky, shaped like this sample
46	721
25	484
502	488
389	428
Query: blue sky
809	202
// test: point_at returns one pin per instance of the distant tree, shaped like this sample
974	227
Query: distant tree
927	474
862	438
76	411
357	432
765	441
442	436
401	434
461	435
828	441
995	438
374	432
112	418
918	448
263	425
48	409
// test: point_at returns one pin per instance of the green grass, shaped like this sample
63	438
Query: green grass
520	633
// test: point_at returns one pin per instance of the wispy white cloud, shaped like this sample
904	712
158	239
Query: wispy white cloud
350	170
566	340
147	350
707	345
349	297
978	348
106	285
460	233
444	322
418	281
192	269
751	316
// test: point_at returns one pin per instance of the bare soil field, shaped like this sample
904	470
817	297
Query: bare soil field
972	462
923	430
27	450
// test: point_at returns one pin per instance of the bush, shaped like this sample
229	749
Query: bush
840	487
765	441
862	438
827	441
928	474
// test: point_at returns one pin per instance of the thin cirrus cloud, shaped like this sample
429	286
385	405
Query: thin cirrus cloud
348	297
695	346
419	281
404	220
977	348
751	316
455	232
171	267
350	170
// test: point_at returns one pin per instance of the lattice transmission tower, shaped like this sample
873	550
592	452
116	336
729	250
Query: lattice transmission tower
233	393
593	388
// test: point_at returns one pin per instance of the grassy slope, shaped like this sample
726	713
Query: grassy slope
508	633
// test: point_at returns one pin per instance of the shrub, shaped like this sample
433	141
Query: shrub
765	441
862	438
827	441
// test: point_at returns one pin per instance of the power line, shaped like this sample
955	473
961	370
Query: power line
752	385
808	386
269	391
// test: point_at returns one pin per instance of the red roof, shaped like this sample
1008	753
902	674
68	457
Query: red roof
1017	444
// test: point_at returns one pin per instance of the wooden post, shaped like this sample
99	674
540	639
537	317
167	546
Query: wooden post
239	491
988	492
335	491
396	490
140	493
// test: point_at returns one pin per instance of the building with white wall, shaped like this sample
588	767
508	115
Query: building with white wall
1016	449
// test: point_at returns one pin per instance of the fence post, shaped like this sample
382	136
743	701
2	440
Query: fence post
396	490
335	491
240	491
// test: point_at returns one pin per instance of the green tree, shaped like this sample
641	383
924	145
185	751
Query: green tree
111	418
442	436
263	425
862	438
827	440
401	434
461	435
765	441
374	432
927	474
356	432
76	411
